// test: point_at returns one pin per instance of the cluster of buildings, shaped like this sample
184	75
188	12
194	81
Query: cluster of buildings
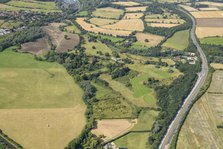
189	56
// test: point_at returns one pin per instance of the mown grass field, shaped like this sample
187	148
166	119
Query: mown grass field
179	41
40	97
145	120
30	5
200	128
133	141
212	40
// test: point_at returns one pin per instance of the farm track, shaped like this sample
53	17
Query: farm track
184	110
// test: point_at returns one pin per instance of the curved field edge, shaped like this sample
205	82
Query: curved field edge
209	115
42	97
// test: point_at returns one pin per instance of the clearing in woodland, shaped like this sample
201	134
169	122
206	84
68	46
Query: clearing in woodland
40	97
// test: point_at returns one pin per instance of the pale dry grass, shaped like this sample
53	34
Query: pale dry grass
127	25
113	127
167	21
126	3
208	14
217	65
188	8
209	9
101	21
133	15
153	40
43	128
202	32
200	128
92	28
135	9
166	25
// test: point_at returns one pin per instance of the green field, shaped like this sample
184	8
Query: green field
98	47
72	29
27	83
82	13
133	141
147	71
179	41
9	24
31	5
212	40
145	120
110	104
108	12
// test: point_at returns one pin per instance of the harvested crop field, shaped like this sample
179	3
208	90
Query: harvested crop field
58	38
202	32
209	9
200	128
101	21
217	66
127	25
152	40
40	46
167	21
133	15
135	9
126	3
42	128
211	22
92	28
113	127
165	25
39	101
207	14
108	12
